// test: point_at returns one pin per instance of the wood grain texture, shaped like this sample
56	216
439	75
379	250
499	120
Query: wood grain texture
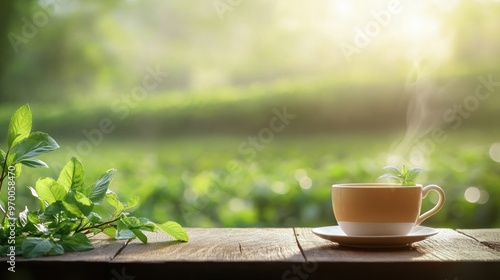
450	245
105	250
317	249
448	255
217	245
447	245
489	237
267	253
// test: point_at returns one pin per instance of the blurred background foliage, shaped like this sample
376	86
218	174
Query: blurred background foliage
366	83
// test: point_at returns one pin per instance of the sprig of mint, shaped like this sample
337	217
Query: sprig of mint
70	209
406	176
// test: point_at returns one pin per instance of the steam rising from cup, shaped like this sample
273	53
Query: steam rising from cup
422	116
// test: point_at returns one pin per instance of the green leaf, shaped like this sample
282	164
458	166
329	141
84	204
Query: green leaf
78	242
19	168
408	183
34	145
94	217
72	175
50	190
390	176
131	222
77	204
2	157
34	163
54	208
175	230
101	186
413	173
140	235
392	169
4	250
406	176
123	232
131	203
41	228
33	191
33	247
33	217
147	225
404	170
56	250
66	227
20	126
23	217
113	200
110	231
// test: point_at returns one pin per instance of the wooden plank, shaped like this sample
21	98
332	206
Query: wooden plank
447	245
447	255
489	237
450	245
105	250
93	264
317	249
217	245
271	254
214	253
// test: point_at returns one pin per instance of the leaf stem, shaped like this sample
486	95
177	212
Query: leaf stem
4	216
2	177
99	225
4	167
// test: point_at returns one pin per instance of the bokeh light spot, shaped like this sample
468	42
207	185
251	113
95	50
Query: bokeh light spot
299	173
305	183
472	194
495	152
279	188
484	196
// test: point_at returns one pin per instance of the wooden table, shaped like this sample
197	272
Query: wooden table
271	253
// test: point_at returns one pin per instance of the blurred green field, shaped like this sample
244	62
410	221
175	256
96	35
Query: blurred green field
184	154
180	144
207	182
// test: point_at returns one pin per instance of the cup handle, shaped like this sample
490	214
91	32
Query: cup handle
437	207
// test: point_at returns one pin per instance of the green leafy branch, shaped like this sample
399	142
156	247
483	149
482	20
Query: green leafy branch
23	147
70	210
406	176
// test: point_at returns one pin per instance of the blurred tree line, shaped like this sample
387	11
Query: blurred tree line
72	50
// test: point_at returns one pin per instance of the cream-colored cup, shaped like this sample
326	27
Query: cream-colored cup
373	209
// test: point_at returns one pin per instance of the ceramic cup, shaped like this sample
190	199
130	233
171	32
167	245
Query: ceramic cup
372	209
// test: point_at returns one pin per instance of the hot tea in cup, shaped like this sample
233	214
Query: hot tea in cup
378	209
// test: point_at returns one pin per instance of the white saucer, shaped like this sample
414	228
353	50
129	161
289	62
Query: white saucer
335	234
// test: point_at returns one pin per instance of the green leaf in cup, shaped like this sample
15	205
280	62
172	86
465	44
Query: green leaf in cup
406	176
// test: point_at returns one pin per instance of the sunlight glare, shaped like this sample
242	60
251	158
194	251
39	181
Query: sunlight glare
343	8
421	27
